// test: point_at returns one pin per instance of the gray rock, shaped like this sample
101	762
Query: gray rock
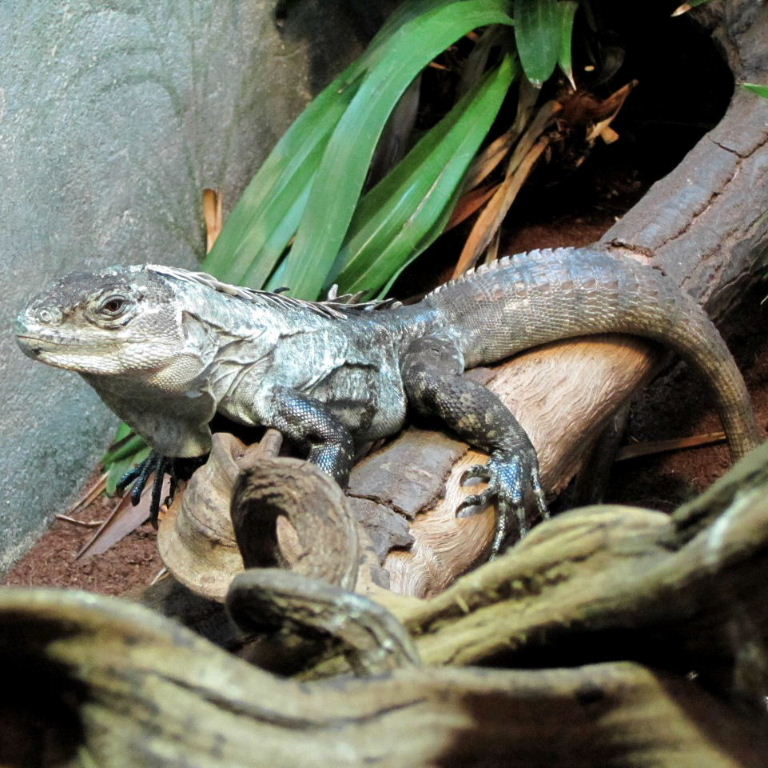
114	116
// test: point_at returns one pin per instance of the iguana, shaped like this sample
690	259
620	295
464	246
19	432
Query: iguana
166	349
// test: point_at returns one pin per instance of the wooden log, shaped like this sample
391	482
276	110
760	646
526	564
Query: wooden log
680	592
92	680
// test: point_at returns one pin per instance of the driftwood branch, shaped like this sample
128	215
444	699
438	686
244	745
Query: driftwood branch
125	686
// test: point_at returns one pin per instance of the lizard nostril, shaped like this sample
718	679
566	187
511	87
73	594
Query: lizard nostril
48	315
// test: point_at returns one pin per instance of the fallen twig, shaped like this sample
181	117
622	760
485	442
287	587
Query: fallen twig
83	523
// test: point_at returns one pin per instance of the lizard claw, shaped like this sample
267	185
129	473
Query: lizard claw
160	466
139	476
476	500
515	485
479	471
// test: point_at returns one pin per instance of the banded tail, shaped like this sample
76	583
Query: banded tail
543	296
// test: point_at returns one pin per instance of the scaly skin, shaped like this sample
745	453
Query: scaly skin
166	349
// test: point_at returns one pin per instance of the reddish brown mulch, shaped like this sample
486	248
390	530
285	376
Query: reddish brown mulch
132	563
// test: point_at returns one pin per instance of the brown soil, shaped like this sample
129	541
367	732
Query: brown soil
131	563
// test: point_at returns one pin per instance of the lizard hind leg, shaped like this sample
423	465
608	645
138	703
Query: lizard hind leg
432	371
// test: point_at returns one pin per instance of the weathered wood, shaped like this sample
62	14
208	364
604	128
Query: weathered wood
125	687
546	390
683	592
286	513
605	577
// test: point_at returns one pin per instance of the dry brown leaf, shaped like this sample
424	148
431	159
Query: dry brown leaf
124	519
91	493
213	215
528	150
470	203
493	214
489	159
663	446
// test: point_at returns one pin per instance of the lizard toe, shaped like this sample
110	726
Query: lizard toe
479	500
476	471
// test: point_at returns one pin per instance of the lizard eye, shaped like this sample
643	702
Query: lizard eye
113	305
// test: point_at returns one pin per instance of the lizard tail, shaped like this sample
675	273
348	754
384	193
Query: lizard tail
543	296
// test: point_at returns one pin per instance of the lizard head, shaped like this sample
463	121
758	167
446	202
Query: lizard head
118	321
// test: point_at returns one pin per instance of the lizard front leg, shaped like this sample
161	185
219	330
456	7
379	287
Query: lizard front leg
432	375
311	425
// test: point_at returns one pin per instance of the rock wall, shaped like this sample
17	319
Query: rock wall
114	116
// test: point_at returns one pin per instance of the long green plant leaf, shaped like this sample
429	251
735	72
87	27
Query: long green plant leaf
538	35
399	217
342	172
127	450
567	10
255	233
268	212
760	90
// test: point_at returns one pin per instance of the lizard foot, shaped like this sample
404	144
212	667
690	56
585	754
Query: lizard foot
140	475
160	466
514	483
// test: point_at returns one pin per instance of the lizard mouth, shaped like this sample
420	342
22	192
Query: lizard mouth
30	345
42	342
30	340
36	346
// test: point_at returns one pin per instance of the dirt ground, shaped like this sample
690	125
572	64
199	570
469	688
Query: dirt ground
132	563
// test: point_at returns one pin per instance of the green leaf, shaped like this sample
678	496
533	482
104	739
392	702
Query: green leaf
266	217
760	90
124	446
407	210
344	165
567	9
538	32
123	431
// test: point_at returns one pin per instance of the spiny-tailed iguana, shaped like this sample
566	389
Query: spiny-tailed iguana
166	349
